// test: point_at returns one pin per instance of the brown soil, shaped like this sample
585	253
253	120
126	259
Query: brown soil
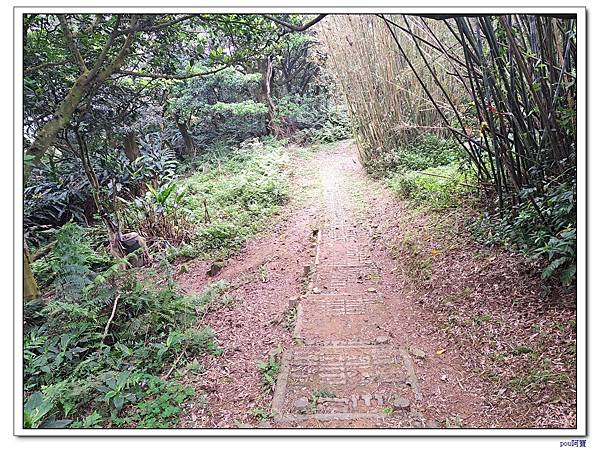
388	333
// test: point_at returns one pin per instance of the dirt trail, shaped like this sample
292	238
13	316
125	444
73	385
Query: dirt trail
355	361
360	354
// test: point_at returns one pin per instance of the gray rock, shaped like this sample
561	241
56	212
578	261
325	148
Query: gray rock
417	352
432	424
367	398
382	339
401	403
301	404
215	268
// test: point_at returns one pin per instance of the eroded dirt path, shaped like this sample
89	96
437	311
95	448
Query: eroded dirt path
360	354
358	359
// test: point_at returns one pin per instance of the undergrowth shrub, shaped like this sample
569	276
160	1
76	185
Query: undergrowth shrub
335	126
85	366
71	262
437	187
160	214
230	198
552	240
425	151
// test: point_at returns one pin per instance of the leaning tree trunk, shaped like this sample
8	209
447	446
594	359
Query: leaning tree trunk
87	81
132	150
188	142
30	287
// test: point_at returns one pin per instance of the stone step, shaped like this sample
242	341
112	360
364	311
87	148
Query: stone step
342	279
346	383
340	317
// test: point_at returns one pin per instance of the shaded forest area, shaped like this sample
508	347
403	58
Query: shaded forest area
152	140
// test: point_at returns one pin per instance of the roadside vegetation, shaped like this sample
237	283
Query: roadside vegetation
152	139
481	107
171	145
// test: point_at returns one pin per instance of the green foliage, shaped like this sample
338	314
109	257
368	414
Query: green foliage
429	170
160	214
75	361
161	408
244	108
535	237
220	108
69	266
423	152
318	394
270	369
240	193
429	150
334	126
439	187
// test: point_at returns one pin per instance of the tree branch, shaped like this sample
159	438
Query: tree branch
293	27
147	28
166	76
71	45
32	69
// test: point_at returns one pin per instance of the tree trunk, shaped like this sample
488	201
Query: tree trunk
47	134
132	150
188	142
30	287
271	121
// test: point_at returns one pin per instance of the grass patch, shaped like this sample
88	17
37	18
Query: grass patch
290	318
436	187
269	369
231	196
418	264
537	380
318	394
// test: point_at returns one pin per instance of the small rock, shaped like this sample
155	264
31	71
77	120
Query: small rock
432	424
301	404
367	398
382	339
264	424
215	268
401	403
371	289
316	290
417	352
444	377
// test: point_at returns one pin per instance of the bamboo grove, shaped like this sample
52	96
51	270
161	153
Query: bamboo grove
503	86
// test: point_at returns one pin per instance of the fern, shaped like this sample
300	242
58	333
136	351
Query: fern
71	260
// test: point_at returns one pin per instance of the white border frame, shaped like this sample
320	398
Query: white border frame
582	387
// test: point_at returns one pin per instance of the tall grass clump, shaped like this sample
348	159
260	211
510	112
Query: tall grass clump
387	105
230	198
